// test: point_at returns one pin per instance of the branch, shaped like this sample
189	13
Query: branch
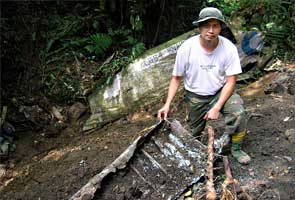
226	193
211	194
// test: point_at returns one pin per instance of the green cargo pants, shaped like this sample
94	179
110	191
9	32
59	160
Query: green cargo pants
198	106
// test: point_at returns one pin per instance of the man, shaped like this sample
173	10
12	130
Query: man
209	65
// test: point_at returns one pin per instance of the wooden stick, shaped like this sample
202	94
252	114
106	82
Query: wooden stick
226	193
227	168
211	193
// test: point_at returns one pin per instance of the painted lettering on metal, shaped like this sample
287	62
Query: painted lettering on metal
155	58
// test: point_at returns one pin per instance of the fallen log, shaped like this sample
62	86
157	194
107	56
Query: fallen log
211	193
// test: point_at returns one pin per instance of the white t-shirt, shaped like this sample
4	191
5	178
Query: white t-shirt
205	73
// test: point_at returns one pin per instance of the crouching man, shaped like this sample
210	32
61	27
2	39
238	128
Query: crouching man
209	64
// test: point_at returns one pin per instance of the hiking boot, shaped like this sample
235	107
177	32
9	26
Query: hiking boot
236	150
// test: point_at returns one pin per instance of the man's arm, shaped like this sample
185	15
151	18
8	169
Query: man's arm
226	92
174	84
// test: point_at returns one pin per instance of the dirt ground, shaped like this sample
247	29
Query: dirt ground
56	167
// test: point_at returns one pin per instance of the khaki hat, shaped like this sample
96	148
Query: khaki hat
209	13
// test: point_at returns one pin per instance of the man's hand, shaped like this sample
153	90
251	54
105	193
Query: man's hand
174	84
226	92
163	111
212	114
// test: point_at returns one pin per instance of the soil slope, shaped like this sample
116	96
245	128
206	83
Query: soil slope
56	167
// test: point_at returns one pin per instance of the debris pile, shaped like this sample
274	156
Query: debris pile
164	163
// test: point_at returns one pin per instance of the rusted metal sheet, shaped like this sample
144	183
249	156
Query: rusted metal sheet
163	167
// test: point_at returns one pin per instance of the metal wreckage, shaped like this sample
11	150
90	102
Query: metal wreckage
165	162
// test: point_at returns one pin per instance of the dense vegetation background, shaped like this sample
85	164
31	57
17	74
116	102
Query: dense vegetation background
63	49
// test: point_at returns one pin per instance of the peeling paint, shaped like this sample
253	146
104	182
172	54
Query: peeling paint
179	157
114	90
192	153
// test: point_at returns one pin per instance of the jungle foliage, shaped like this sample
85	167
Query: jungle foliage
59	47
275	18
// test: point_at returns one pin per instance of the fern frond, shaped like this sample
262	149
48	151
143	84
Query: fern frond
99	43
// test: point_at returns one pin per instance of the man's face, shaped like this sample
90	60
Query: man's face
210	29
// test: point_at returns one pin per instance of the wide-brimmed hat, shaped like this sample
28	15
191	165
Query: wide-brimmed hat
209	13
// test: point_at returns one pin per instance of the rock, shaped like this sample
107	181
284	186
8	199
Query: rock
35	113
290	134
76	111
276	88
57	114
291	87
281	84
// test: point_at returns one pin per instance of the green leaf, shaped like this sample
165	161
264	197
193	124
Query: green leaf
98	43
132	22
137	50
89	48
138	23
